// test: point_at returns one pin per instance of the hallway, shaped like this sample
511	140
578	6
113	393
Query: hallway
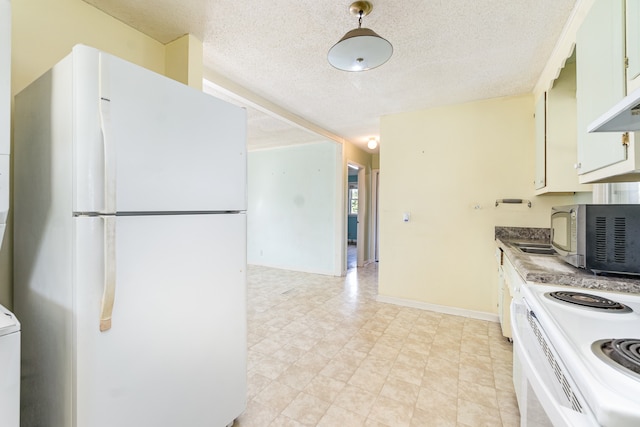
352	256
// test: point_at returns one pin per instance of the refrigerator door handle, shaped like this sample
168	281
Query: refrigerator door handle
109	153
109	290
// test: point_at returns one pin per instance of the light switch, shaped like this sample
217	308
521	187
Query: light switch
406	216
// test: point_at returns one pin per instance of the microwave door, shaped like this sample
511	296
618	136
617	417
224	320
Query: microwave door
561	232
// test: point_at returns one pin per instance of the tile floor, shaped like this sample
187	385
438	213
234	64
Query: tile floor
323	351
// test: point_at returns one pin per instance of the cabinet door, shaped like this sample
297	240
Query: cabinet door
600	82
633	38
541	142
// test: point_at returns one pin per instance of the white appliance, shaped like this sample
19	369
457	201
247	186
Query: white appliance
130	248
9	369
562	374
5	110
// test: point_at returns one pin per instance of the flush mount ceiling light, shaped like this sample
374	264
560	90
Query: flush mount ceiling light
360	49
372	144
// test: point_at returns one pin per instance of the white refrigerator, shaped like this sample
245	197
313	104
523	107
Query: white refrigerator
130	248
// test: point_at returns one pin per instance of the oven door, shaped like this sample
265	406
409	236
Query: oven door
546	394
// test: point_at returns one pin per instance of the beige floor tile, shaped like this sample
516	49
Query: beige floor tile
368	380
296	377
441	382
337	416
355	399
339	370
377	364
474	415
478	393
270	367
312	361
267	346
323	351
510	419
350	355
417	345
385	351
288	354
401	391
409	373
324	388
306	409
475	374
443	366
507	402
432	418
276	396
256	383
284	421
410	357
370	422
433	401
391	412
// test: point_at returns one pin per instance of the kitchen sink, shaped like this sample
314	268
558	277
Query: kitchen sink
535	248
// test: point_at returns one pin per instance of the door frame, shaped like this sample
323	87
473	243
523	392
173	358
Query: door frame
374	243
362	210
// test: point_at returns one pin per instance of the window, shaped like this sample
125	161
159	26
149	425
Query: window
353	201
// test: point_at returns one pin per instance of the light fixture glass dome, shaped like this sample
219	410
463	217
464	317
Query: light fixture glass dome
372	144
360	49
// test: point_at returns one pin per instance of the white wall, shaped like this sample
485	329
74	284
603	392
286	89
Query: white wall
440	164
292	215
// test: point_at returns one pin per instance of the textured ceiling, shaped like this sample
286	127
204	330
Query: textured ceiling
445	52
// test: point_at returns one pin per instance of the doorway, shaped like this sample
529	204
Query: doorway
356	209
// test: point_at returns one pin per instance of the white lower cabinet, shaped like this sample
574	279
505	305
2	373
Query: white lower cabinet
509	283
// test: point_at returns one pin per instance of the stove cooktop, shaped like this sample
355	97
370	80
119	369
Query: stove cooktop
586	300
586	327
621	353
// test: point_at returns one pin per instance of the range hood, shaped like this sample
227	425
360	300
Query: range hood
622	117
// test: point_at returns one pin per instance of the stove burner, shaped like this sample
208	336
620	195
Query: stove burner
625	352
588	300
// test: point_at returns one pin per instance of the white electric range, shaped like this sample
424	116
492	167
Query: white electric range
564	341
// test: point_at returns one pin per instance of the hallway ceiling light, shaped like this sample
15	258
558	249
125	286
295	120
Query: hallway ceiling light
360	49
373	143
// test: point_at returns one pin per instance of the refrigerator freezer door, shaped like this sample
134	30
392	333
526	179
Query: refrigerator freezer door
176	351
146	143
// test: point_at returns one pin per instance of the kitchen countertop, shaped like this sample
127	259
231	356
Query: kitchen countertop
551	270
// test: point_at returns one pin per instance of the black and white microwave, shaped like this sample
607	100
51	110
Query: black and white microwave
601	238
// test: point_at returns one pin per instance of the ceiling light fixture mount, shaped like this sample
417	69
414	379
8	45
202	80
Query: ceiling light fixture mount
360	49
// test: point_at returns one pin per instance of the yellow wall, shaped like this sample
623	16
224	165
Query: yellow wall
183	61
44	31
440	164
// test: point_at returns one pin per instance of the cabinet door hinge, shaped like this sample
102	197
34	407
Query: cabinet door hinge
626	62
625	139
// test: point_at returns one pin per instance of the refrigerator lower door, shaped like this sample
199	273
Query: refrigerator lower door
175	354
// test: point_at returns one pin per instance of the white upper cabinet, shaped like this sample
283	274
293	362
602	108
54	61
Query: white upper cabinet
541	142
608	58
556	135
600	55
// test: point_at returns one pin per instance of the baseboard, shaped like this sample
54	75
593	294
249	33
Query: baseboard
480	315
